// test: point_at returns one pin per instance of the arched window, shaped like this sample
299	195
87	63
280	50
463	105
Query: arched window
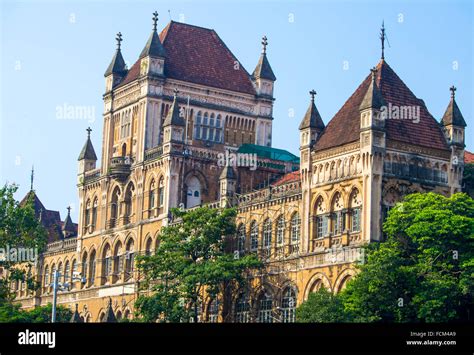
125	124
355	210
193	192
148	247
46	276
114	207
118	261
241	239
107	264
84	268
53	272
73	273
94	213
242	309
92	265
88	213
338	217
253	236
321	219
129	259
161	193
197	125
288	305
280	231
67	272
267	237
213	311
295	232
265	307
129	205
151	197
60	273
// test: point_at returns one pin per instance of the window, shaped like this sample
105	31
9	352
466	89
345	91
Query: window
148	247
295	232
94	213
151	195
213	311
241	239
129	259
280	232
265	306
208	127
161	192
242	309
125	124
67	272
253	236
88	213
355	227
107	263
92	265
322	226
84	266
288	306
267	235
46	276
337	224
74	272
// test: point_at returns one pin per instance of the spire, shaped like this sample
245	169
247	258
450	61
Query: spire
32	177
228	173
153	46
68	226
76	318
173	118
453	115
87	151
117	65
109	313
263	70
382	39
373	97
312	118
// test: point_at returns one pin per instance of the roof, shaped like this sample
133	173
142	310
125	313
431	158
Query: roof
51	220
153	46
345	125
287	178
453	115
198	55
87	151
312	118
263	69
173	117
468	157
268	153
117	65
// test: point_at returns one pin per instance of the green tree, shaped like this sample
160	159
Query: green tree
468	179
322	306
19	228
194	258
12	313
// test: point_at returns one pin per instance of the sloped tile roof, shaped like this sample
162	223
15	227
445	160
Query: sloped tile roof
344	126
287	178
453	115
468	157
198	55
312	118
263	69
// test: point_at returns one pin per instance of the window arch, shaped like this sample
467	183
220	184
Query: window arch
267	236
151	197
295	232
241	239
253	236
87	216
242	309
84	268
118	261
280	230
355	204
106	264
128	202
73	272
161	194
92	268
337	216
148	246
322	218
53	272
129	259
94	213
265	307
46	276
114	205
288	305
60	272
67	272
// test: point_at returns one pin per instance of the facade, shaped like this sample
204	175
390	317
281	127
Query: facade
170	119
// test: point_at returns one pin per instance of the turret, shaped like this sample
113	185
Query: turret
68	228
227	181
152	57
311	125
117	69
174	124
87	158
263	76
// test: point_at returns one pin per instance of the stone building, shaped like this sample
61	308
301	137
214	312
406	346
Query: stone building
185	106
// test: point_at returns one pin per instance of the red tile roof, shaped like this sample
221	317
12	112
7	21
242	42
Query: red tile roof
198	55
344	127
468	157
287	178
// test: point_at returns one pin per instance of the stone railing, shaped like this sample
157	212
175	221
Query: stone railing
91	175
154	153
269	193
62	245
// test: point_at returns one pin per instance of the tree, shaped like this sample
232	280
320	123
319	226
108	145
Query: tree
19	229
322	306
468	179
194	260
12	313
424	271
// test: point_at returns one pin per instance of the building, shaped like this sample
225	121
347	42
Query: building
186	105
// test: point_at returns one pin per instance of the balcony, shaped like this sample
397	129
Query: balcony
120	166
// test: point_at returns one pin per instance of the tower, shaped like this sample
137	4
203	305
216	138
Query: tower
264	79
87	158
227	181
372	151
310	127
117	69
454	125
152	57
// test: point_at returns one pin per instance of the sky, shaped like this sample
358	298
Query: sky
53	55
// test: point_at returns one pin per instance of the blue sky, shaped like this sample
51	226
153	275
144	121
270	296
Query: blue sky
54	54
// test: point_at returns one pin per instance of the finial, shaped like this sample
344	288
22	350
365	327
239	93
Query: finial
374	73
264	44
68	210
89	130
453	91
175	93
32	177
119	39
382	39
155	20
313	94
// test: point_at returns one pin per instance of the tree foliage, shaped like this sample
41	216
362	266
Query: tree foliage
423	272
19	228
194	259
322	306
12	313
